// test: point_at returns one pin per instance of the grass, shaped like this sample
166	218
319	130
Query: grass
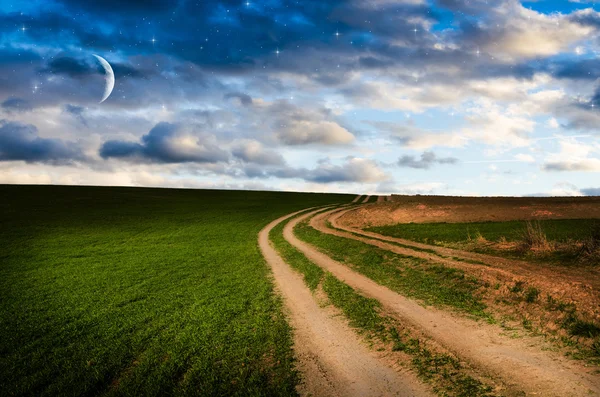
414	277
560	230
364	314
141	291
312	273
532	295
446	368
554	240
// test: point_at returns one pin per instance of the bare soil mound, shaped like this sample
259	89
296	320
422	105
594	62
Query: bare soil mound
424	209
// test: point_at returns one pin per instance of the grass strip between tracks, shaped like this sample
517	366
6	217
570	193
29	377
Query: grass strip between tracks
412	277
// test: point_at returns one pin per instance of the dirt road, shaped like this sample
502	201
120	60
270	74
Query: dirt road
577	285
332	359
356	198
366	199
520	363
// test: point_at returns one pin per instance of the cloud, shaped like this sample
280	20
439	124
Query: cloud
117	6
353	170
244	99
411	136
292	125
254	152
21	142
591	164
14	104
526	158
579	69
69	66
304	132
573	156
494	125
511	32
592	191
165	143
427	160
565	189
77	112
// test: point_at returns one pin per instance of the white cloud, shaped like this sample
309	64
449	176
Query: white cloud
303	132
526	158
253	152
573	156
516	32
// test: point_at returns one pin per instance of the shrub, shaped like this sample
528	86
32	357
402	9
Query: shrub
596	347
518	287
590	249
584	328
532	294
534	238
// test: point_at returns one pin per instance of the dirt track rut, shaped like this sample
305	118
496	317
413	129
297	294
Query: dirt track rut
332	360
518	362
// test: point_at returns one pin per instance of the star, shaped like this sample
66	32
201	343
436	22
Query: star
23	29
153	40
277	52
337	35
477	52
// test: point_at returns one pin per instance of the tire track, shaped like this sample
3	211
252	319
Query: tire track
520	364
331	358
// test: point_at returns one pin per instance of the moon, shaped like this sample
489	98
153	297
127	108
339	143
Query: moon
110	77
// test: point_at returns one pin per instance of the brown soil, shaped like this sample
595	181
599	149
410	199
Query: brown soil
423	209
331	358
380	199
520	363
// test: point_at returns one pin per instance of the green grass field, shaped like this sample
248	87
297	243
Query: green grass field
126	291
556	230
565	236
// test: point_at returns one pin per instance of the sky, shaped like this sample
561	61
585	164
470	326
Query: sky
449	97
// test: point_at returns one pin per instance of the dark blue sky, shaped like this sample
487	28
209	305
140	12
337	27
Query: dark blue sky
378	96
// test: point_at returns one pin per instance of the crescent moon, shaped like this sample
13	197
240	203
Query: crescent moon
110	77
